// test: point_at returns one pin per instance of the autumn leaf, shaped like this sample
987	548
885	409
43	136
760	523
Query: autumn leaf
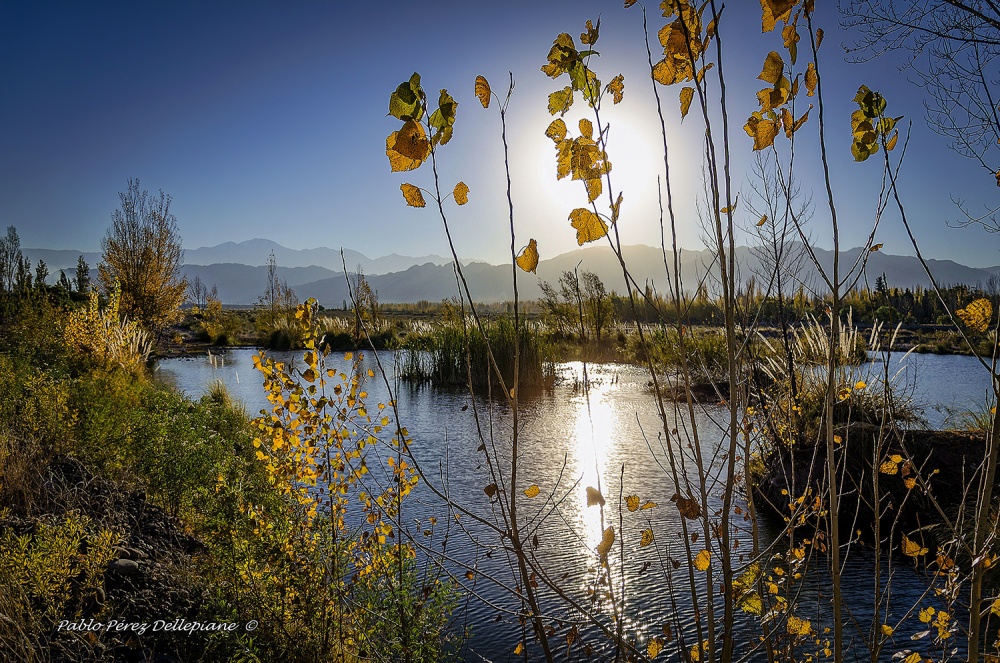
762	221
892	141
910	483
617	88
607	539
791	40
490	490
811	80
590	36
703	560
412	195
763	129
887	630
408	147
819	37
797	626
688	507
560	101
594	187
594	497
531	491
632	502
561	57
461	193
471	575
774	11
647	537
483	92
518	649
589	227
773	68
648	504
687	94
912	548
655	646
586	128
977	315
528	258
443	119
751	603
629	3
875	247
405	103
556	130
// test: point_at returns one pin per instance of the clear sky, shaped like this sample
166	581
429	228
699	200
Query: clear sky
269	120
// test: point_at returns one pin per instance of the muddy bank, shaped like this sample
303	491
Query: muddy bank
149	577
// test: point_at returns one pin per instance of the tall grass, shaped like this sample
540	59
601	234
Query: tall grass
453	353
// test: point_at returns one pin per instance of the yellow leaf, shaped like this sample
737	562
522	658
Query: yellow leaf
518	649
632	502
791	40
607	540
531	491
774	11
470	575
483	92
586	129
589	226
995	607
408	147
888	467
629	3
773	68
703	560
594	188
812	79
348	356
797	626
912	548
412	195
910	483
887	630
590	36
927	614
556	130
687	94
892	141
875	247
617	88
762	221
860	384
915	657
762	129
461	193
819	37
655	645
560	101
751	603
977	315
648	505
594	497
528	258
647	537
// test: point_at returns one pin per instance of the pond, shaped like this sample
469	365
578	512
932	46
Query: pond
609	439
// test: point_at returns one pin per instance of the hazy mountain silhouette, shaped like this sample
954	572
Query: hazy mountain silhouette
237	270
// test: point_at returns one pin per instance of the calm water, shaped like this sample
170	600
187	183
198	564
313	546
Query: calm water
609	440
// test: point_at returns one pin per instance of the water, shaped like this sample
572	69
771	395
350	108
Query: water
609	440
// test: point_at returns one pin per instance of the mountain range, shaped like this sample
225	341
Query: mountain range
239	271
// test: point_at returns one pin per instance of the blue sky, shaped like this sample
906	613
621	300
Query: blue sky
269	120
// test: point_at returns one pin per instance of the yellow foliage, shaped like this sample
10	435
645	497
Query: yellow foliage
977	315
105	336
528	258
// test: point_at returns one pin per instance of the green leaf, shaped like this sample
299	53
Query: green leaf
404	103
